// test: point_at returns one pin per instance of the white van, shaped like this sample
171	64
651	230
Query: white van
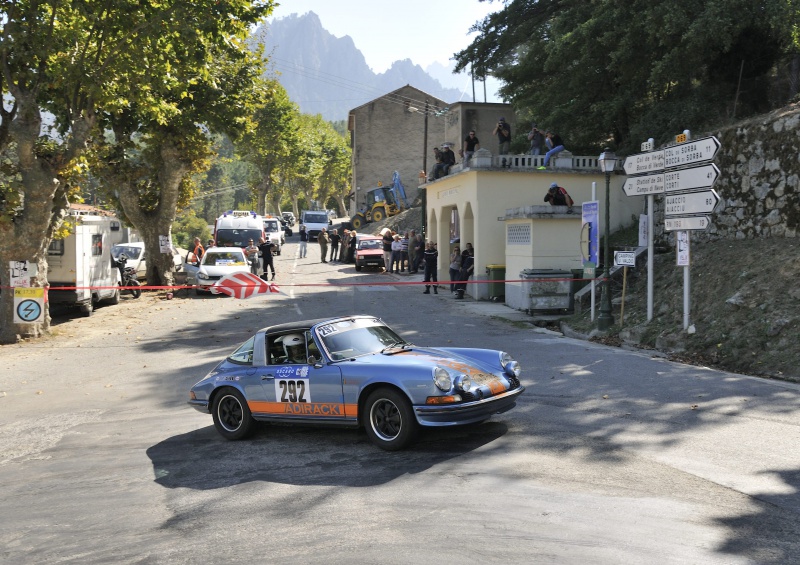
235	228
314	221
79	267
275	233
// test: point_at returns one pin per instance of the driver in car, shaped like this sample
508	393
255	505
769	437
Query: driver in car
294	346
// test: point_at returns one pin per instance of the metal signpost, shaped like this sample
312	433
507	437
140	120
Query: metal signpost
685	176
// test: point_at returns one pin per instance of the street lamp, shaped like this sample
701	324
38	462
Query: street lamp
605	320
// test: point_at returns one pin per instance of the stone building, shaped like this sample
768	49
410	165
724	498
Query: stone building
388	134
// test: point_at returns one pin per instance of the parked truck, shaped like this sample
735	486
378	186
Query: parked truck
381	202
80	269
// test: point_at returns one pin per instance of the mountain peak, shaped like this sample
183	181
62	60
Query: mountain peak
327	75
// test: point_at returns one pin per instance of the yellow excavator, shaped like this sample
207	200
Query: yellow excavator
382	202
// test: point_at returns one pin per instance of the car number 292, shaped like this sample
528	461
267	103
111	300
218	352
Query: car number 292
292	390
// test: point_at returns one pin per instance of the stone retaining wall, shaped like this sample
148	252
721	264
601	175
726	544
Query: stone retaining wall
759	183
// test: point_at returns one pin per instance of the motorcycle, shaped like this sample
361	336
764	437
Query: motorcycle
127	276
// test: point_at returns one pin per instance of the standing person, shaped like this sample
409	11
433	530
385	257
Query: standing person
351	247
397	253
335	239
251	251
537	140
404	253
198	251
555	144
471	145
412	239
323	240
419	251
431	262
265	247
503	132
210	244
455	267
467	267
345	245
303	241
387	249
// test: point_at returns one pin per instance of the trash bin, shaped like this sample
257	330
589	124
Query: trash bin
497	286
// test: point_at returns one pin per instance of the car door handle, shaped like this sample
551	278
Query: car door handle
267	377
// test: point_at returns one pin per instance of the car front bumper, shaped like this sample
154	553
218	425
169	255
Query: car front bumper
467	412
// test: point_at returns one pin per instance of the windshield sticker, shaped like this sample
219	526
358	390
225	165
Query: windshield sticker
326	330
292	390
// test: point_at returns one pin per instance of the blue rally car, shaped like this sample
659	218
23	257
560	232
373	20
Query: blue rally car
354	371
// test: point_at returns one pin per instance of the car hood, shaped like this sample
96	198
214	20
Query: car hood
222	270
428	357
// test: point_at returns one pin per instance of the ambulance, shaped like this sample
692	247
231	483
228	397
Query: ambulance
235	228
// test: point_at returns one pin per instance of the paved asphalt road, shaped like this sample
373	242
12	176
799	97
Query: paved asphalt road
610	456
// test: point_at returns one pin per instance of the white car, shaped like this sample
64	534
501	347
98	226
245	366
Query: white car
275	233
137	257
217	262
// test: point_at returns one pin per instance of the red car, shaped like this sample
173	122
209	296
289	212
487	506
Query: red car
369	252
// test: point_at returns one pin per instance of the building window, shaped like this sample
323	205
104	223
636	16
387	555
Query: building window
518	235
56	248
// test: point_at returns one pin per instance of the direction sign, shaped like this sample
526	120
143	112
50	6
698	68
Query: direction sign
641	163
703	176
647	184
690	203
624	258
695	151
686	223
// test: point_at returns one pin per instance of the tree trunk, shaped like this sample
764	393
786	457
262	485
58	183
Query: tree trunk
157	222
42	206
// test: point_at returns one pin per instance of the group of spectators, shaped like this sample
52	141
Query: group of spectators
332	241
402	252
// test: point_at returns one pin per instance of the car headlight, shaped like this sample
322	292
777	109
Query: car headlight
463	383
509	365
442	379
202	275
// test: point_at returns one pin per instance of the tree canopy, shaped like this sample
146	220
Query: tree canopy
616	73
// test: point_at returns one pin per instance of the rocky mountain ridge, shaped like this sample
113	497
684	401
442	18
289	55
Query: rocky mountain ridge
329	75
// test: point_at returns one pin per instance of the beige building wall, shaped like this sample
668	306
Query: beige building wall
387	135
482	198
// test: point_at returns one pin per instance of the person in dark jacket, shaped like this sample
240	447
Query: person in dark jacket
335	239
431	258
265	248
467	267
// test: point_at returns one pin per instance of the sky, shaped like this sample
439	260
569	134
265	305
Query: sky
381	28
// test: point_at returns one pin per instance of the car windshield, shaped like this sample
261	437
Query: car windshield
224	258
131	251
271	225
370	244
346	339
318	218
237	238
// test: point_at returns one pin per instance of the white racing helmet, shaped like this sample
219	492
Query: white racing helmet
293	346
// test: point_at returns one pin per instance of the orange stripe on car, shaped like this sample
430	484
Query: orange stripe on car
304	408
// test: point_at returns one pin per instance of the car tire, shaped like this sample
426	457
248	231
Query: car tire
199	292
232	416
358	267
390	423
114	300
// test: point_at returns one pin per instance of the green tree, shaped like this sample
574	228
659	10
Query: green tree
270	142
89	63
608	72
